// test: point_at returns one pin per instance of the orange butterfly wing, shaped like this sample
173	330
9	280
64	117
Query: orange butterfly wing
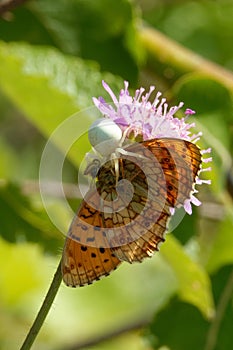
85	255
181	162
119	222
162	173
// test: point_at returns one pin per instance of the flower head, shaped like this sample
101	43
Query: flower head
151	120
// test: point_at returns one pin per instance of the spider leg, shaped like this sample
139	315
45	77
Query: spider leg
132	154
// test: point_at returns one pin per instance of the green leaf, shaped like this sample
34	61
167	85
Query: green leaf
222	324
16	28
94	30
20	221
20	276
49	87
186	228
193	282
210	96
179	326
9	161
222	253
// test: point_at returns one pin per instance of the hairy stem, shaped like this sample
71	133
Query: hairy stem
40	318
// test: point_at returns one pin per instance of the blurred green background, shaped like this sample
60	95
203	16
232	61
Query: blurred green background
53	57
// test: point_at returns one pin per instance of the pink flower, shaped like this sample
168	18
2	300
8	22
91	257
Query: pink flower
151	120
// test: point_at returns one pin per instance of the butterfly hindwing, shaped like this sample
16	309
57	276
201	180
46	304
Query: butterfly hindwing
86	256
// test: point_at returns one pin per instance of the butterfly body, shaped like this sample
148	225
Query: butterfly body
125	220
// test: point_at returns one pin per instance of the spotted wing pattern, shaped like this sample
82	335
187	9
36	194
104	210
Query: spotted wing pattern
127	219
162	179
181	162
85	255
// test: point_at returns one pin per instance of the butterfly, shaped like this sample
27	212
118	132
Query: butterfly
125	220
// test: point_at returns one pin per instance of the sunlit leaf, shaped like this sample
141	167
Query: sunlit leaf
222	253
193	282
20	221
20	275
50	87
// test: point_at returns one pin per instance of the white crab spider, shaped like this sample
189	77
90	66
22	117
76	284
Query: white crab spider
107	141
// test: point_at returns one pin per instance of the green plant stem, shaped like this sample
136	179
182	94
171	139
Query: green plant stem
172	54
40	318
226	295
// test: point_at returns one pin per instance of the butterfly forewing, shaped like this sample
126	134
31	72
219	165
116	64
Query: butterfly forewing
181	163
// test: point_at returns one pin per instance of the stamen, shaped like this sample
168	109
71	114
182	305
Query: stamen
107	88
195	201
208	150
165	109
195	141
126	87
172	210
149	93
189	111
156	100
140	92
194	136
160	106
205	169
200	182
136	94
207	160
174	109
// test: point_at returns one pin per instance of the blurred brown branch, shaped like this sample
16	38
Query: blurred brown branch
6	6
134	325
